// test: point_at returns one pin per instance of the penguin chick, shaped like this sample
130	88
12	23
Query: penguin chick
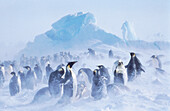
104	72
14	85
120	74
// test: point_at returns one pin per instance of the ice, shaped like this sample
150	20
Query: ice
128	31
80	31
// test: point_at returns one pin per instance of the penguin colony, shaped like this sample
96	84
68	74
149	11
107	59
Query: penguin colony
63	82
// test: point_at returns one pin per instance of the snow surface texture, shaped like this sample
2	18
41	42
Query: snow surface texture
79	31
149	92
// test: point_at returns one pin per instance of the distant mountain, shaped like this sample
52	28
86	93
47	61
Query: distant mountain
78	31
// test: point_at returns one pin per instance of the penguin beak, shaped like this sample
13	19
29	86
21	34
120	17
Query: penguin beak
70	64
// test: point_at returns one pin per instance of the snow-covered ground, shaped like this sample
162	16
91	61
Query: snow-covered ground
149	92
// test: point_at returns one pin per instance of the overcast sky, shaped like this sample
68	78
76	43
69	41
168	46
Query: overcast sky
22	20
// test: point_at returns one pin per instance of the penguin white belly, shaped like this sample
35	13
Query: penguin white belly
122	70
62	90
74	85
19	83
3	70
8	73
155	63
11	69
125	77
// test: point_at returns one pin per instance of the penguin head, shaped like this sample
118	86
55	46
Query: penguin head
80	71
27	67
36	65
100	66
70	64
96	72
132	54
1	65
20	72
120	63
153	56
60	66
89	49
61	71
48	65
13	73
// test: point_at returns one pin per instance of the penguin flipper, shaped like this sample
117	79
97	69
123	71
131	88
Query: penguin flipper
115	73
142	70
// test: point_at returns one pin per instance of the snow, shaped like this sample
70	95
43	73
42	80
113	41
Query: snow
149	92
78	32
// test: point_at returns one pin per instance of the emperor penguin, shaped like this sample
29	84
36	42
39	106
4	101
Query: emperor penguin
2	75
110	54
8	71
70	84
105	73
91	53
134	67
86	72
156	63
2	79
98	85
49	70
2	68
43	61
38	73
14	85
23	79
120	74
31	78
54	83
84	79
